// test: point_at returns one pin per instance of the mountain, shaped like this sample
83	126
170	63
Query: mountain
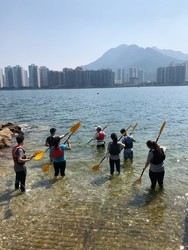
127	56
176	54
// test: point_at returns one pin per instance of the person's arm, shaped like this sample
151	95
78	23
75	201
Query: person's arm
69	145
164	149
62	136
20	160
121	145
150	156
134	140
146	165
95	136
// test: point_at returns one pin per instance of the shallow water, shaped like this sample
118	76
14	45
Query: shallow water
87	210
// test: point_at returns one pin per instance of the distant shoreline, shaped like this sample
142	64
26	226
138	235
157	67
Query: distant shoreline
118	86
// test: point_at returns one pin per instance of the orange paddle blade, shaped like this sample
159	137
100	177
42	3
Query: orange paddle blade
39	155
96	167
46	167
75	127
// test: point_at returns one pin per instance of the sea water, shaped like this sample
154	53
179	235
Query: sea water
86	209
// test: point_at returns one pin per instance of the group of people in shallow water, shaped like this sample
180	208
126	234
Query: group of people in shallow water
155	158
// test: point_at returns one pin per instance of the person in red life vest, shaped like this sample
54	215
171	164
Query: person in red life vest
99	136
19	158
57	153
155	160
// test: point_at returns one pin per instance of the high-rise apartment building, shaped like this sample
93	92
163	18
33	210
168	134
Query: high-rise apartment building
133	75
34	76
1	79
121	76
18	76
44	76
8	77
176	74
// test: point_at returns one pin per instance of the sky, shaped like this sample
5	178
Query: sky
71	33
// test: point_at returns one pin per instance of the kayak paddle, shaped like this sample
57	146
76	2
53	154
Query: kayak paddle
39	155
96	166
102	129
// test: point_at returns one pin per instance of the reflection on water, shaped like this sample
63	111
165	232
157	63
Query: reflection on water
77	214
86	209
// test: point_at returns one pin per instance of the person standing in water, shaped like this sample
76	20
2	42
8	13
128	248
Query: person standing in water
114	149
155	160
128	141
50	139
19	158
99	136
57	153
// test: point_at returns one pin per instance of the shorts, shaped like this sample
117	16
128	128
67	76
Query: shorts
128	154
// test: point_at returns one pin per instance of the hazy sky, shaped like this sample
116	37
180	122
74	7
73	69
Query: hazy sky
70	33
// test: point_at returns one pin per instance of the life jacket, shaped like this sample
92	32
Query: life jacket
157	158
57	153
101	136
114	149
14	153
128	142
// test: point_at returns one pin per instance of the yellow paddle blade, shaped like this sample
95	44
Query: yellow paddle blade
96	167
75	127
36	153
46	167
39	155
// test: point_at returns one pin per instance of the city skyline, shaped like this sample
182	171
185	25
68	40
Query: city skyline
62	33
41	77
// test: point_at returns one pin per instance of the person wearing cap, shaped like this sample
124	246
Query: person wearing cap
128	141
99	136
